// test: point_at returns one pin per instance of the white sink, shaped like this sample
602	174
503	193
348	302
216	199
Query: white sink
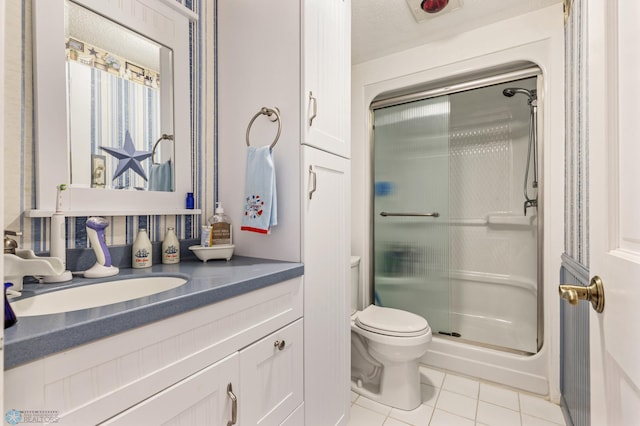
93	295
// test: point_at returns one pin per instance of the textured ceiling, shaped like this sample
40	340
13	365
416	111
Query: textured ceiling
382	27
105	34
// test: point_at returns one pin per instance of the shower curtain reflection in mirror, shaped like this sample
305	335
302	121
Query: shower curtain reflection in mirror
105	107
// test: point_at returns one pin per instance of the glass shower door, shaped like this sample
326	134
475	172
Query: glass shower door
411	209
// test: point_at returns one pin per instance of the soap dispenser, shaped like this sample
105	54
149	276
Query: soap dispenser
221	229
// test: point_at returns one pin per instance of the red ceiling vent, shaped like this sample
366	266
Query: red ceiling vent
427	10
433	6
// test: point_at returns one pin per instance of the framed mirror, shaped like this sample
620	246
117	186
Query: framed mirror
112	106
117	107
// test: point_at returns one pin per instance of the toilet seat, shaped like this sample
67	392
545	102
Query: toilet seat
391	322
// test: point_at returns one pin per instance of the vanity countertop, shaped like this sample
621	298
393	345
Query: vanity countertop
38	336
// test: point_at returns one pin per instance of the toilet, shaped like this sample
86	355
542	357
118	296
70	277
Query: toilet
386	345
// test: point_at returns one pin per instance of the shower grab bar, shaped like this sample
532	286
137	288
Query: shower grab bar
432	214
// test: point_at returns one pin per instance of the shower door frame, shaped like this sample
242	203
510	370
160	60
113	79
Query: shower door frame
442	88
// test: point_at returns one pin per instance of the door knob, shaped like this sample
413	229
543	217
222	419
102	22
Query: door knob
593	293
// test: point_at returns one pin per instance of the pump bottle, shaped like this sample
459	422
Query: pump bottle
221	229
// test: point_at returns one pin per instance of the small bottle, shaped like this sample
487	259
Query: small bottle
170	247
141	253
221	229
190	202
205	235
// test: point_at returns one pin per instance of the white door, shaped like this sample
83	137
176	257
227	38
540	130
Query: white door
327	305
327	71
176	405
271	377
614	208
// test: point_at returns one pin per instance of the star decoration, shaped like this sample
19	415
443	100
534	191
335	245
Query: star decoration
128	157
93	52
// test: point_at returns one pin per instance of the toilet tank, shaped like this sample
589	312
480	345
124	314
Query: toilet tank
355	282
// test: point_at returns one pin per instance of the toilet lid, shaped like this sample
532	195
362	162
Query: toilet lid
392	322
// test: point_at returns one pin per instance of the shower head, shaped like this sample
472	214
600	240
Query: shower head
511	91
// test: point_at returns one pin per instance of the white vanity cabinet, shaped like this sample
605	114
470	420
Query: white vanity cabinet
177	371
265	379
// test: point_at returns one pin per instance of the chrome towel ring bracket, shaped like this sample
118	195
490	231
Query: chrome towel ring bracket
274	115
155	146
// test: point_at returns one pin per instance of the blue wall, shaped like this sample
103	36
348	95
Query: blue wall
574	320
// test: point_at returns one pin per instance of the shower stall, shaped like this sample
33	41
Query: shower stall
456	203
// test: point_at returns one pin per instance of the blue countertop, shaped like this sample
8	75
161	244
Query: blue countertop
38	336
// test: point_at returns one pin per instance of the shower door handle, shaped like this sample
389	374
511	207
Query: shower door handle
593	293
432	214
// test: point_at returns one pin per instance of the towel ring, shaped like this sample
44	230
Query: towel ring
155	145
269	112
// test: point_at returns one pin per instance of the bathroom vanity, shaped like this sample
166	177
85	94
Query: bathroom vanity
137	354
229	341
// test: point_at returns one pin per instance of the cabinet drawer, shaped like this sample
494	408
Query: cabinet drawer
271	377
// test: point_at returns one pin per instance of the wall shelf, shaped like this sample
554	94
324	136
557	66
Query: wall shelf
34	213
181	8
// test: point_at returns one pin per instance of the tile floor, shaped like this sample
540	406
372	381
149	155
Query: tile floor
451	400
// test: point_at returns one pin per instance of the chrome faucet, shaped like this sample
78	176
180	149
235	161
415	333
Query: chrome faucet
19	263
10	245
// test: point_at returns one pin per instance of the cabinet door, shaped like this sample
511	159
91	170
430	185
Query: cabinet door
326	287
327	74
200	399
271	377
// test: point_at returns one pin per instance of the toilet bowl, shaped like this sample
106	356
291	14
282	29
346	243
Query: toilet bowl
386	345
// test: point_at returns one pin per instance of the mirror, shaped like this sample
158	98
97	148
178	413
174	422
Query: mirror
112	106
116	104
